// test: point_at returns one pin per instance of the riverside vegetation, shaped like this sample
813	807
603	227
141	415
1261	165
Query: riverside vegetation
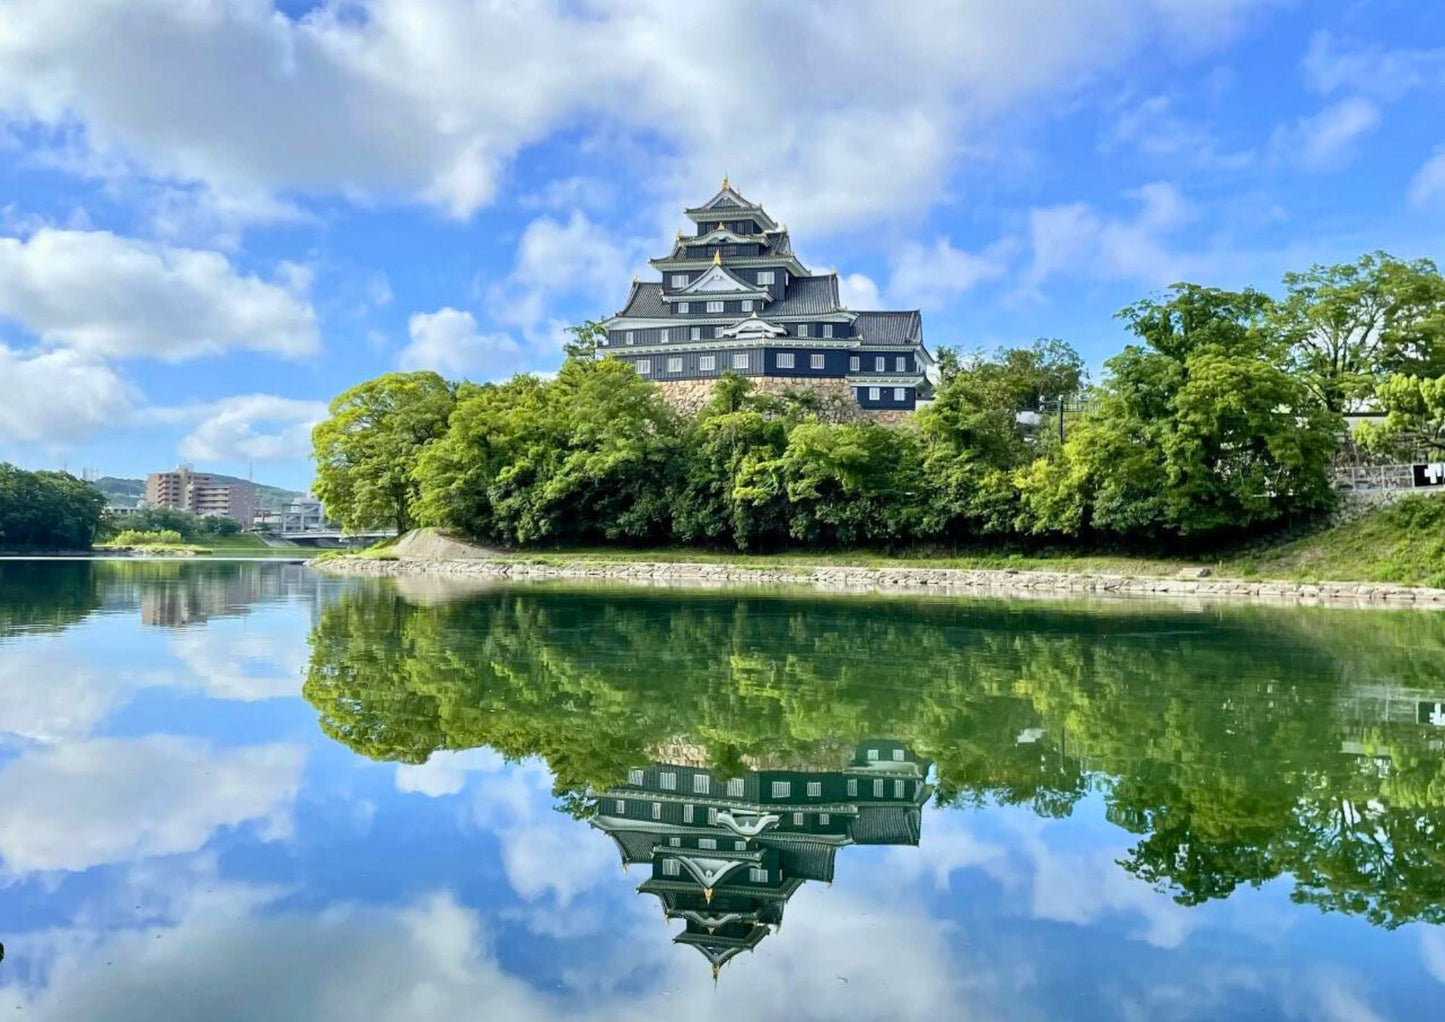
1218	424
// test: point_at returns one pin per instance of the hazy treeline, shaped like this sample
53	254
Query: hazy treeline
1221	418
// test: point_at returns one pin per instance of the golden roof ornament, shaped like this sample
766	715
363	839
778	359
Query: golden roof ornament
717	257
725	180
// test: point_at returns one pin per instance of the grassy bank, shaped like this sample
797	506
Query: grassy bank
241	545
1402	544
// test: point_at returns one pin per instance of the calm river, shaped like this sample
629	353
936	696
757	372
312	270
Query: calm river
248	791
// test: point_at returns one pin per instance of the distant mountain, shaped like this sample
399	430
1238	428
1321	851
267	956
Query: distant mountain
128	492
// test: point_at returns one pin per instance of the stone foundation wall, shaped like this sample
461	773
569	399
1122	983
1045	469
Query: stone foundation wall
836	402
956	581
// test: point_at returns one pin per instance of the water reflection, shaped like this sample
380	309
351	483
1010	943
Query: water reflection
1237	745
726	853
1107	810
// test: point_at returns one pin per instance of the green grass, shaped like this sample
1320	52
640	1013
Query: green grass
240	545
1403	543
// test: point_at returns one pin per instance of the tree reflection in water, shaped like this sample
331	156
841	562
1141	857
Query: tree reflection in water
1239	744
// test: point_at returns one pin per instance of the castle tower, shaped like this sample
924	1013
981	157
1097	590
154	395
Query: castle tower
734	298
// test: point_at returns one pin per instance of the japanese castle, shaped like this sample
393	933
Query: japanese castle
724	855
734	298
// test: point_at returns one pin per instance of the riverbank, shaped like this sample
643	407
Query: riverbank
960	581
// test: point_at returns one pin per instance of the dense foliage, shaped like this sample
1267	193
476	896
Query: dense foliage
185	524
47	510
1234	760
1221	419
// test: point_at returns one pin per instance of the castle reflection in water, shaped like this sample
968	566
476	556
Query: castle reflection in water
726	853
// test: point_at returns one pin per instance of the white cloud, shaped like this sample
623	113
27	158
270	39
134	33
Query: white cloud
1385	74
448	342
858	292
252	427
1076	239
59	397
446	773
430	100
106	296
930	276
1328	139
1152	127
85	803
1428	185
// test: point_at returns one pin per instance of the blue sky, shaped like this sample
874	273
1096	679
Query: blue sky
217	214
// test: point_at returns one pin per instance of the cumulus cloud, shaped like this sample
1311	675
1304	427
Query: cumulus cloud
446	773
58	397
1330	138
930	275
252	427
106	296
1077	239
448	342
430	100
858	292
1427	187
85	803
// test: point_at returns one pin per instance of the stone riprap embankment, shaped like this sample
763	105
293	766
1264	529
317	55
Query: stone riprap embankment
959	581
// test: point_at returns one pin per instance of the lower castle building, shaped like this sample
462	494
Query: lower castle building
734	298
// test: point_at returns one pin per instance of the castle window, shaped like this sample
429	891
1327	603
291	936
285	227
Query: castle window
710	843
898	755
696	333
880	364
621	807
782	789
785	360
644	367
712	816
872	755
634	777
873	393
802	329
627	337
897	789
663	335
852	786
824	819
701	784
679	280
815	789
878	788
682	306
667	781
707	363
740	846
674	842
816	361
900	364
714	306
797	819
740	360
827	329
657	810
765	276
854	363
717	331
674	365
758	874
687	813
735	787
898	394
747	305
671	868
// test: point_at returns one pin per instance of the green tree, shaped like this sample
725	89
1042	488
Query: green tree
1349	324
1414	409
47	510
1198	431
366	450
